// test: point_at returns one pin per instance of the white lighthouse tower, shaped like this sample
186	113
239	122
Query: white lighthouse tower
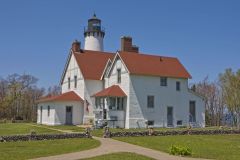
94	34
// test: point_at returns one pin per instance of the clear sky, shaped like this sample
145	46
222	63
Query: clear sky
35	36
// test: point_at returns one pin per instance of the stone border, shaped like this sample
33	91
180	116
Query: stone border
151	132
37	137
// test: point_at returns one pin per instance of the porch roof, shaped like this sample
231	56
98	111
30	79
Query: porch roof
113	91
68	96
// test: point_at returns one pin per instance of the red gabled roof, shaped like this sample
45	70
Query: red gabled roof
113	91
68	96
144	64
92	63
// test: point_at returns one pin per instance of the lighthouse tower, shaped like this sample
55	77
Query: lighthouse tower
94	34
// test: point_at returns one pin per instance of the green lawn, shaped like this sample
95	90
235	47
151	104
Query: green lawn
22	128
222	147
34	149
120	156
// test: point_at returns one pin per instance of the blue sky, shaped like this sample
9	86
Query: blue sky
35	36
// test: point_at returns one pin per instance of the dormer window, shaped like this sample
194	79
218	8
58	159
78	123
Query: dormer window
118	75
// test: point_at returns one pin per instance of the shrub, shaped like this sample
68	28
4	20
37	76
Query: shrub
33	132
180	150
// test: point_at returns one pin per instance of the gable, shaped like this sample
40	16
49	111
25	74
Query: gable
117	64
71	69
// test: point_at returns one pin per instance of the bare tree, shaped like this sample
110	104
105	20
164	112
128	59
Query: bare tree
54	90
214	105
18	95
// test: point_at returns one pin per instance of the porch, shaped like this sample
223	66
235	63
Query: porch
110	107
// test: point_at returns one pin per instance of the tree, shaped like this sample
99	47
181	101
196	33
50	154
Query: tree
54	90
18	95
230	83
214	105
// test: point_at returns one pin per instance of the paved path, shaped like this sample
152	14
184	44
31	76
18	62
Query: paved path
108	146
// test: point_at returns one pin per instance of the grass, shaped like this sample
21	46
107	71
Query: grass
222	147
120	156
22	128
71	128
35	149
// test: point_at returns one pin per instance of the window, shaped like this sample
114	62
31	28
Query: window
119	103
118	75
69	82
68	109
163	81
179	122
112	103
150	123
99	102
48	111
150	101
115	103
192	111
75	81
178	87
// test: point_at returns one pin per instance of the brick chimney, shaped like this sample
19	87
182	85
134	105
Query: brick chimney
135	48
76	46
126	45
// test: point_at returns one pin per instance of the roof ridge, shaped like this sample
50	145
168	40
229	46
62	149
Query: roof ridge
92	51
146	54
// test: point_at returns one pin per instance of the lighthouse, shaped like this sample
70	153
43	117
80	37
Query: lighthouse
94	34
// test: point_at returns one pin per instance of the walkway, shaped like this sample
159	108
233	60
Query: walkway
54	129
109	145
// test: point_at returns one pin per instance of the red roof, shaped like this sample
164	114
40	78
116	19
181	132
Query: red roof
92	63
113	91
68	96
154	65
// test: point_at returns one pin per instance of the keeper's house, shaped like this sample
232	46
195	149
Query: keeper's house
128	89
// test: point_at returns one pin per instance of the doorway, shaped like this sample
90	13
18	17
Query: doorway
41	115
169	116
69	115
192	111
104	114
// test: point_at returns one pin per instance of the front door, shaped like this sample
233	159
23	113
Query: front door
68	115
169	116
192	111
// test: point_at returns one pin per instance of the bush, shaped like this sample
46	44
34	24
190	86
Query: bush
33	132
91	121
180	150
